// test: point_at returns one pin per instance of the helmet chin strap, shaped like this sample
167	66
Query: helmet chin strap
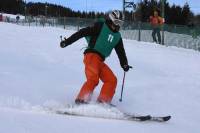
113	27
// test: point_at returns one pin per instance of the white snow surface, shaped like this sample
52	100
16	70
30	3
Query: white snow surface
36	74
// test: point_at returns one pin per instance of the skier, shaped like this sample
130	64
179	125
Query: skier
156	21
102	38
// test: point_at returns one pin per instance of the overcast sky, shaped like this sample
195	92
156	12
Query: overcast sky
106	5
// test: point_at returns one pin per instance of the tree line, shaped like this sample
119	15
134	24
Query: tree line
45	9
174	14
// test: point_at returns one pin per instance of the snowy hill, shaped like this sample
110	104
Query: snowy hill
36	73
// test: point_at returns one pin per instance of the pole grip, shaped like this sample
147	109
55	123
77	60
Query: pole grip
61	37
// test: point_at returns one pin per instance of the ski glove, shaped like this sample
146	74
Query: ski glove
64	43
126	67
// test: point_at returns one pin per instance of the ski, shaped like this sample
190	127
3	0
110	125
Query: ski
127	117
149	118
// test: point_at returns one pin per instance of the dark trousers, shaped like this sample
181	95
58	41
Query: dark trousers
156	31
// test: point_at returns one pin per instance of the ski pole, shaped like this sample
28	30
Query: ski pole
122	89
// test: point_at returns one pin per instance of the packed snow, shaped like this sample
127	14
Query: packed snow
36	74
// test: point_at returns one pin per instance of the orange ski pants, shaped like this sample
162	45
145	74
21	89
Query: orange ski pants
96	69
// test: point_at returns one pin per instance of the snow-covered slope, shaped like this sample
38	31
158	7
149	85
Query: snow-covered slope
36	73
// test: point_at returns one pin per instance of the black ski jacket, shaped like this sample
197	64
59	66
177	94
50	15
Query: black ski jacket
94	32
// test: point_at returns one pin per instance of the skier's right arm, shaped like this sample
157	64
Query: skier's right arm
88	31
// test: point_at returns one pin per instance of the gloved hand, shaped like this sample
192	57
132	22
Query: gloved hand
64	43
126	67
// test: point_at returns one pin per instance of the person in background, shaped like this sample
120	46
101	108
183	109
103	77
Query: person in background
1	17
17	19
156	21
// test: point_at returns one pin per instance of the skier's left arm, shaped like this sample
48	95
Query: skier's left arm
119	48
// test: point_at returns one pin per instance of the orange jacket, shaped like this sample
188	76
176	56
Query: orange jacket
156	21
